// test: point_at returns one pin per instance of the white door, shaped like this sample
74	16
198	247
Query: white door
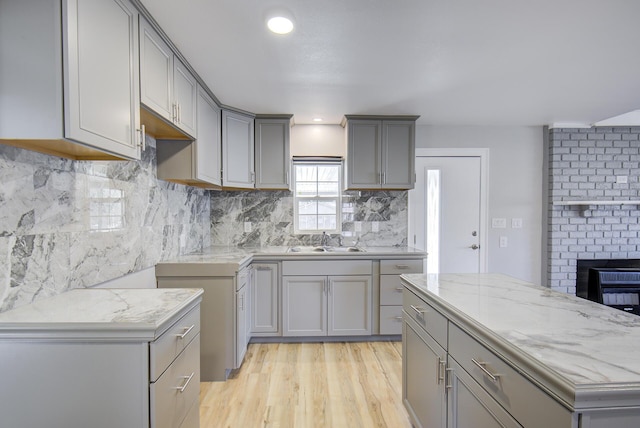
445	210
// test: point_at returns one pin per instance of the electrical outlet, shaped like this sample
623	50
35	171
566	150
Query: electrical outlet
504	242
247	227
516	223
375	226
499	223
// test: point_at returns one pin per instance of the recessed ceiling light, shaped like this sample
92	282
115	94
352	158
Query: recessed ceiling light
317	119
280	24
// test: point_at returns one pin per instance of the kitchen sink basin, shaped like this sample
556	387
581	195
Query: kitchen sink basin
312	249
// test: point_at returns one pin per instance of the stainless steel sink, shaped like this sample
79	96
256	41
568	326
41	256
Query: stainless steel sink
319	249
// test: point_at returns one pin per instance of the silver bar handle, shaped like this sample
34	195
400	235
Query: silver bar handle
143	139
399	318
186	331
441	370
183	387
384	178
174	114
449	383
263	268
402	266
419	311
179	113
481	365
399	289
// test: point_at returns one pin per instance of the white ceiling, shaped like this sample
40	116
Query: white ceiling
453	62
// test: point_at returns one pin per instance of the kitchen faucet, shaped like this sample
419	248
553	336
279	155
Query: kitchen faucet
325	239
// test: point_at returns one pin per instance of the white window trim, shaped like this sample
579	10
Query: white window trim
338	198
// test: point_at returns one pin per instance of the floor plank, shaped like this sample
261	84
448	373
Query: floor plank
282	385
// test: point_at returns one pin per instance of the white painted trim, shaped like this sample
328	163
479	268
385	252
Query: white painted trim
483	154
555	125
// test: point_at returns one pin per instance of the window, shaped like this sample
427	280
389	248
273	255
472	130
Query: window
317	196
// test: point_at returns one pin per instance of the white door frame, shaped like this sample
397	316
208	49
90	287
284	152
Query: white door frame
483	154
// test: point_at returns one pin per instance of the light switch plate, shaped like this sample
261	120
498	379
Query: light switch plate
499	223
247	227
516	223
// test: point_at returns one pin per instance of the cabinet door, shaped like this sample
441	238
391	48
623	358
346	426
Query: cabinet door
185	89
398	154
241	325
264	300
102	92
423	378
272	153
156	72
208	146
470	405
364	163
349	305
237	150
304	301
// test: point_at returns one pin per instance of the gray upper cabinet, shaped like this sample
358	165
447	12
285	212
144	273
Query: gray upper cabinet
195	163
70	78
237	150
168	89
272	151
380	152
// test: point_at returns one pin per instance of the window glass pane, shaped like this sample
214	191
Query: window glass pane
306	189
307	207
306	173
328	173
307	222
328	189
327	222
327	207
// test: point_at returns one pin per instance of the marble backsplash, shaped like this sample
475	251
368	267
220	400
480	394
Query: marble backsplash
68	224
271	216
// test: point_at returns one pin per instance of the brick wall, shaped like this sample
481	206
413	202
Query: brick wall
586	164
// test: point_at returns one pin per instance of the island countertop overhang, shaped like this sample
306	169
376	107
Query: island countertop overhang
554	339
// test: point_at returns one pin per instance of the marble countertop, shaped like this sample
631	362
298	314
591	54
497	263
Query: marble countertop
105	313
240	256
592	349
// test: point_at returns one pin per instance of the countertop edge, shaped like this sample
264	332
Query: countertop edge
574	397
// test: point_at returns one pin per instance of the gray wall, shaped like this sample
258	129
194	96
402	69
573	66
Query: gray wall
50	209
584	165
515	189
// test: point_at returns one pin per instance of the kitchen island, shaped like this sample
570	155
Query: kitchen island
102	358
498	351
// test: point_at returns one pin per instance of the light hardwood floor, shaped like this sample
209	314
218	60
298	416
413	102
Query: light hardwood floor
310	385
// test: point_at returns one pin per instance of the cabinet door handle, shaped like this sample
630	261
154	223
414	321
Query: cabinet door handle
442	366
183	387
399	318
419	311
261	268
186	331
384	178
399	289
449	375
143	140
481	365
174	114
179	113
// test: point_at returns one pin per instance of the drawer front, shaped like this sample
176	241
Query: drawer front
167	347
177	390
390	267
391	319
390	290
327	267
521	398
426	316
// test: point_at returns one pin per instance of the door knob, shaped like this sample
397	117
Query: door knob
474	247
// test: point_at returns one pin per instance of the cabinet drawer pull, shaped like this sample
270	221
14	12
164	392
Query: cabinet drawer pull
183	387
399	318
402	266
419	311
399	289
442	366
263	268
449	383
186	331
481	365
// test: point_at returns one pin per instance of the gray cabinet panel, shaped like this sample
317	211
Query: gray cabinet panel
208	145
364	154
304	304
185	89
272	153
264	300
398	155
156	72
349	306
237	150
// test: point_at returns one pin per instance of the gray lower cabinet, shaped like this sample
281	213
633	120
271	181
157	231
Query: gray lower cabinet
273	161
468	385
70	78
321	305
265	297
225	313
391	292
